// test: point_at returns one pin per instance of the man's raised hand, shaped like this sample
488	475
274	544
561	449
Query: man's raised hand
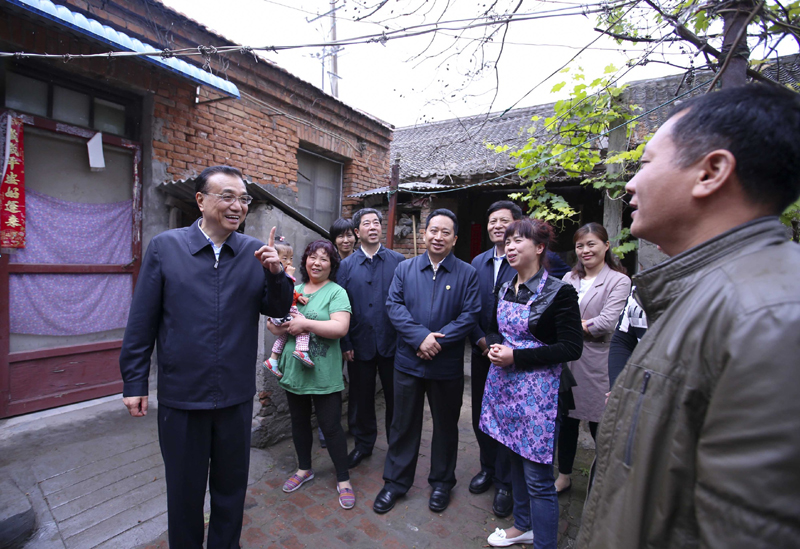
268	255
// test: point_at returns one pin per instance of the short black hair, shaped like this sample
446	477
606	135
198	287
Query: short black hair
362	212
341	226
760	125
201	183
445	212
516	211
333	256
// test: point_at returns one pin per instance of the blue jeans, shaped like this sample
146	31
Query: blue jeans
535	499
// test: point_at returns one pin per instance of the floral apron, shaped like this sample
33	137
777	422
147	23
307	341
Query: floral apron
520	407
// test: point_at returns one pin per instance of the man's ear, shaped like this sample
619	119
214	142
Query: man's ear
200	198
714	171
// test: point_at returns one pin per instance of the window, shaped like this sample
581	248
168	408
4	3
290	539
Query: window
67	104
319	187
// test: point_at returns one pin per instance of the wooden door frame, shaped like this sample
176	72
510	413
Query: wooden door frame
8	408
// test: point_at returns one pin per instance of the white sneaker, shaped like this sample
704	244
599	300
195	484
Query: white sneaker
499	539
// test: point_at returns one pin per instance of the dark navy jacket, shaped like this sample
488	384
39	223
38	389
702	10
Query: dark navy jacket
418	304
205	319
484	265
367	284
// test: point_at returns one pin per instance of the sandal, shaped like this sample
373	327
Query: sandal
347	498
296	481
271	366
304	357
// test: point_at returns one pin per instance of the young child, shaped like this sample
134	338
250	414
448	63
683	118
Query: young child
286	255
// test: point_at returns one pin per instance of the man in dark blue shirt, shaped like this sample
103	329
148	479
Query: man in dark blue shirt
433	304
370	343
493	269
199	294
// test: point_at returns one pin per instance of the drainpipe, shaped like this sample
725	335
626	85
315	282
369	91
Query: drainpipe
393	186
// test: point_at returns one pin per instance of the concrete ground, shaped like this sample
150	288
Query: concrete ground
95	478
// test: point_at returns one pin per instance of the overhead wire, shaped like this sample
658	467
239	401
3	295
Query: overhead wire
383	37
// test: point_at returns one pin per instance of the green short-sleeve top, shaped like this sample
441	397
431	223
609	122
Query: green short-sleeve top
326	375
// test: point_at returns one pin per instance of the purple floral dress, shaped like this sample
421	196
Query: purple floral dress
520	406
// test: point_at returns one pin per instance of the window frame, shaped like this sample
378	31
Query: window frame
339	187
131	103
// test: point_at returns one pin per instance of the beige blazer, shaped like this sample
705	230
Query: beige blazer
600	307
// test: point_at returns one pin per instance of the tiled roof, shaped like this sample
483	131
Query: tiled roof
456	149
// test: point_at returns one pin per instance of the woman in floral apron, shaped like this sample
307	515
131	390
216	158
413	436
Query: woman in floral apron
537	328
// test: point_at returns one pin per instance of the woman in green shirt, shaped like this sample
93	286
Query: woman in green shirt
326	317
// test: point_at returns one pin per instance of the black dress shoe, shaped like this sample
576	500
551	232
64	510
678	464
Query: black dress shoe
355	457
480	482
440	499
503	503
384	501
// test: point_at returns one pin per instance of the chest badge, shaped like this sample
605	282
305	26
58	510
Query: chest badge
447	287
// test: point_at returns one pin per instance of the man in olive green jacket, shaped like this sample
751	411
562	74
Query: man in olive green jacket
699	444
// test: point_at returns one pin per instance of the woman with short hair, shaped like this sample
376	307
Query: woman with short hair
326	317
343	237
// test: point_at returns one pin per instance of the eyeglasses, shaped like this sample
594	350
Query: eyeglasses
245	199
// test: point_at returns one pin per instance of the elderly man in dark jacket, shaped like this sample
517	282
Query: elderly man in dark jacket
371	341
199	294
433	304
698	445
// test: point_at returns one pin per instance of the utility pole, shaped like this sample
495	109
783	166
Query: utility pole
334	54
394	185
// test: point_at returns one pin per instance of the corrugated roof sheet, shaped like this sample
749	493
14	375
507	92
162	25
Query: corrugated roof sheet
122	41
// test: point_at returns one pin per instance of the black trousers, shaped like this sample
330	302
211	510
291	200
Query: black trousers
362	391
329	416
194	442
495	459
351	403
568	442
444	399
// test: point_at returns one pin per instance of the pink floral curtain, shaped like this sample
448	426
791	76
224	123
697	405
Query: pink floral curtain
60	232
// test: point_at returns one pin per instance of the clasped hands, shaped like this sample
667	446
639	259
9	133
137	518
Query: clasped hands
429	347
501	355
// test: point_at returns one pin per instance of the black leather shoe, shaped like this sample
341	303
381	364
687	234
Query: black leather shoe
384	501
480	482
355	457
440	499
503	503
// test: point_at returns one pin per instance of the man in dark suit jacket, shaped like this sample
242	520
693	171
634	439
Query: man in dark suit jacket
370	343
493	269
433	304
199	294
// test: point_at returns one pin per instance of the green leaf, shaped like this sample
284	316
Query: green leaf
558	87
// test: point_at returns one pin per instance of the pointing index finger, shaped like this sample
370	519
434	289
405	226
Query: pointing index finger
271	241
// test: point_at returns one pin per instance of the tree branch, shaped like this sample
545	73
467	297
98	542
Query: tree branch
735	44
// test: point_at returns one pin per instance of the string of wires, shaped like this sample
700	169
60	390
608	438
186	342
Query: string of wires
382	38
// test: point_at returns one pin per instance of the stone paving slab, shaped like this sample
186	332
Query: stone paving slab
95	478
311	517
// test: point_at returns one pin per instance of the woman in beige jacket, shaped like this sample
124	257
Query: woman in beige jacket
603	288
